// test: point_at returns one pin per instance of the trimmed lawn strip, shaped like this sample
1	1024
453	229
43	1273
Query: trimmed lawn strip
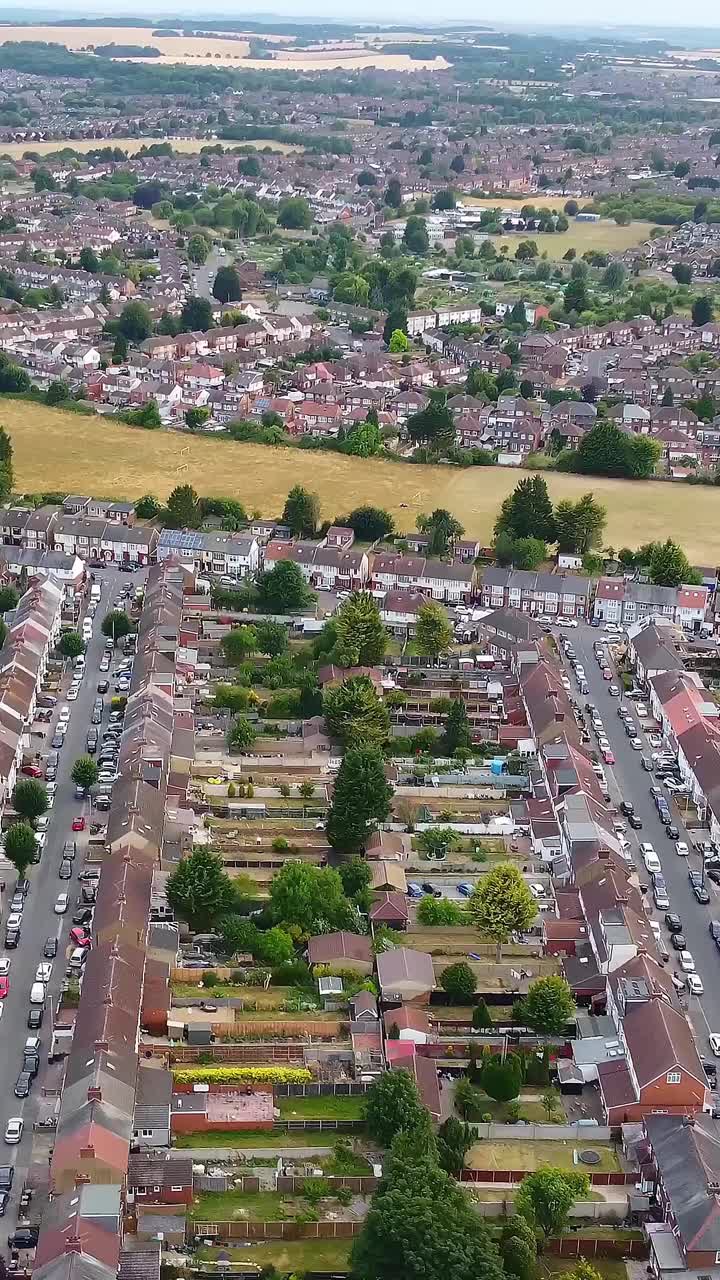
250	1138
294	1255
530	1155
331	1108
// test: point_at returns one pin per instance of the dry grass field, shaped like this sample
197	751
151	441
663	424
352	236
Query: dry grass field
16	150
219	50
605	236
55	450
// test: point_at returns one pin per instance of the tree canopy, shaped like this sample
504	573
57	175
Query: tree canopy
502	904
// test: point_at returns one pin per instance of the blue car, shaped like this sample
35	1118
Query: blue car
414	891
466	889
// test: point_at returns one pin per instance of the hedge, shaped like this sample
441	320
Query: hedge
233	1075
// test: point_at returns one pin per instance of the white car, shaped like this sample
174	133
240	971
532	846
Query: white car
681	849
72	694
4	966
51	800
51	787
636	744
61	904
646	847
14	920
714	1042
43	973
614	690
694	985
64	715
40	840
686	962
14	1130
652	863
641	710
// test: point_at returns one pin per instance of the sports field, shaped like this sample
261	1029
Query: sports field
56	450
16	150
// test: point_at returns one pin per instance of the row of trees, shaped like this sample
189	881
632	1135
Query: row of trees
527	522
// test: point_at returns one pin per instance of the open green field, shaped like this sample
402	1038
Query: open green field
605	236
56	450
530	1155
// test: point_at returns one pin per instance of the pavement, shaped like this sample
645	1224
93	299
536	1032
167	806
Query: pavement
628	780
39	922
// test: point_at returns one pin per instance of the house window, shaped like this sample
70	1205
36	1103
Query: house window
156	1189
673	1077
176	1188
717	1258
146	1133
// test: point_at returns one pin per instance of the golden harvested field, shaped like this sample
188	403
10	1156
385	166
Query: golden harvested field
605	236
510	200
55	450
218	50
16	150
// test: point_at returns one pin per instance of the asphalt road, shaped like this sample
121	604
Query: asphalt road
628	780
39	922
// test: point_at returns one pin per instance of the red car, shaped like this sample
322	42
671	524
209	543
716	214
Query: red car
78	824
79	937
4	987
32	771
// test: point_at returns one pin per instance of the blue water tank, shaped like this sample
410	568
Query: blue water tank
496	766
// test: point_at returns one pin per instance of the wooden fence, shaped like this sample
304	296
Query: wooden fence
617	1179
239	1230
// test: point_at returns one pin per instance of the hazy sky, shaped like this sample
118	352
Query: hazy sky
653	13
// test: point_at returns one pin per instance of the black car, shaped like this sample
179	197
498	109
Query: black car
65	870
630	729
673	831
627	807
635	822
31	1063
83	917
714	930
12	938
57	742
50	948
664	816
103	686
7	1173
673	921
678	941
23	1084
23	1238
430	889
4	1197
34	1019
701	894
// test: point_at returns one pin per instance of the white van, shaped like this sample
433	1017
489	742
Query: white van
37	993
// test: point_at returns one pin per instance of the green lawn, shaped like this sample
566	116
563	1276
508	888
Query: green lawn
533	1111
333	1108
608	1268
293	1255
530	1155
260	1206
250	1138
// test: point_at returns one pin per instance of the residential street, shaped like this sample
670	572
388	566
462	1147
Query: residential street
40	922
629	781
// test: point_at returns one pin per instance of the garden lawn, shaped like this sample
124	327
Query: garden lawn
252	1138
258	1206
530	1155
293	1255
333	1108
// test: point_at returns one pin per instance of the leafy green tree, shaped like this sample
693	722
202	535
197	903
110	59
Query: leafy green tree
518	1258
444	531
196	418
361	798
7	477
226	285
238	643
276	947
283	589
605	450
20	846
184	509
399	342
116	624
294	214
436	842
355	713
363	439
241	734
71	644
548	1005
481	1019
57	392
459	981
454	1140
433	426
271	638
355	876
527	512
392	1104
134	322
301	512
528	553
368	523
415	236
8	599
702	311
393	194
29	799
501	1078
579	526
233	697
309	900
84	772
361	636
669	566
682	272
546	1197
457	729
147	507
196	315
613	277
200	891
439	912
89	260
576	296
120	349
502	904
